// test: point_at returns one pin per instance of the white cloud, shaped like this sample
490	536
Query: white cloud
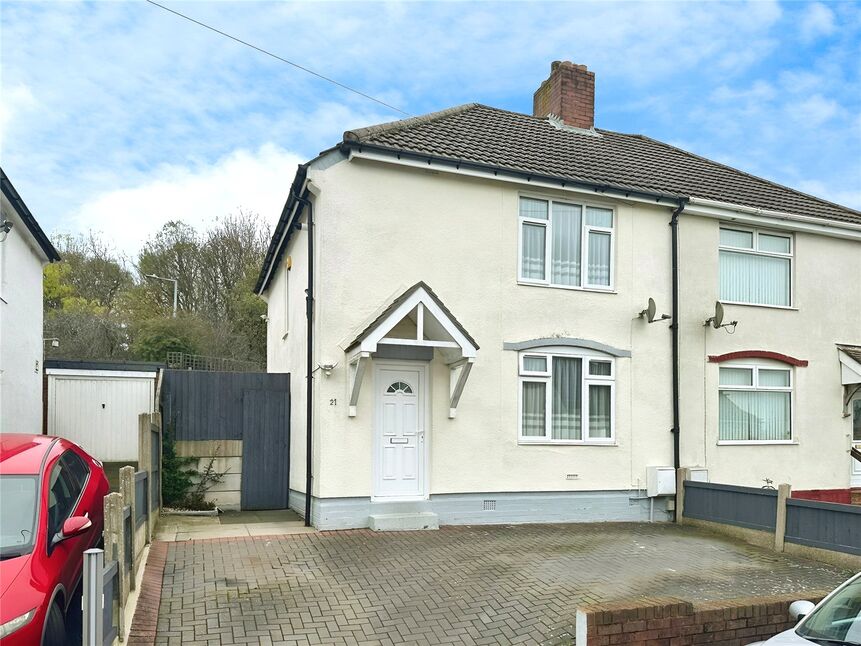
817	20
18	99
814	111
253	180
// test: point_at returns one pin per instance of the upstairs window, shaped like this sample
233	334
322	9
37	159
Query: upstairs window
755	404
564	244
755	267
566	399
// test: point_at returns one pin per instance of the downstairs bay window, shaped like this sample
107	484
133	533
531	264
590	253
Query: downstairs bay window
755	404
564	244
566	399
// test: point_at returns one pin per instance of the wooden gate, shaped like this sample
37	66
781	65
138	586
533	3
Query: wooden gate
265	451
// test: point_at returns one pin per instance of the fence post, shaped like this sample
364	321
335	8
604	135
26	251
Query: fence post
783	492
92	604
143	442
115	550
127	490
156	420
682	474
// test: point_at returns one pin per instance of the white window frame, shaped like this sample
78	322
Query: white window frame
755	250
755	387
586	380
585	229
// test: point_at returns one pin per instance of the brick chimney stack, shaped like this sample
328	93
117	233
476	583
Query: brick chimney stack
569	93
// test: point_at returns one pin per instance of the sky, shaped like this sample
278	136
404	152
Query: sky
116	117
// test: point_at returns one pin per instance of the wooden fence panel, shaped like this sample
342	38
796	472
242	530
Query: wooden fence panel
742	506
826	525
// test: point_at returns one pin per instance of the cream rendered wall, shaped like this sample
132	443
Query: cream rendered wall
384	228
827	310
286	340
21	263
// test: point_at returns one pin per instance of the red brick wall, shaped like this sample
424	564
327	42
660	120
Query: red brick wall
825	495
569	94
671	622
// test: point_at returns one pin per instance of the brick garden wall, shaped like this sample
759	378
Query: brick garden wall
672	622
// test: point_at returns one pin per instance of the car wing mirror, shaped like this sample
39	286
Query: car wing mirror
74	526
800	609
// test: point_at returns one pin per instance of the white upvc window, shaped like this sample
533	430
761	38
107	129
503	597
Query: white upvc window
566	244
755	267
566	398
755	404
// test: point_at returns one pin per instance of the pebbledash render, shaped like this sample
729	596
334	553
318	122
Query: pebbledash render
483	346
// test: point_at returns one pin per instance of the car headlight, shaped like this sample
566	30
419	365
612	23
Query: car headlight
18	622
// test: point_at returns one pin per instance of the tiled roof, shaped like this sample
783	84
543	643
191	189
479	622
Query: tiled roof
27	217
478	133
853	351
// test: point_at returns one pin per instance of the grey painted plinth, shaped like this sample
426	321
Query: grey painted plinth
487	508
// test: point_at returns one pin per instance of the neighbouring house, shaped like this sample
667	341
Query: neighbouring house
97	404
525	318
24	251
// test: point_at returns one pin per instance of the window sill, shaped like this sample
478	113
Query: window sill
522	442
572	288
769	307
758	443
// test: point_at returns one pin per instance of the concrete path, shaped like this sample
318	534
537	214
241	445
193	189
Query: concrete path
175	527
463	585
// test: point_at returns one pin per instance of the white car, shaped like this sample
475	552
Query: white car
835	621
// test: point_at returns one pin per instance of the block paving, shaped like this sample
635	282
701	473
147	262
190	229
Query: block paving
459	585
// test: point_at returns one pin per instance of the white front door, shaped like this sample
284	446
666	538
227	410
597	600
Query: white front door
856	440
400	442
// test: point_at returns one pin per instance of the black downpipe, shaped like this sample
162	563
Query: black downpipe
674	326
309	356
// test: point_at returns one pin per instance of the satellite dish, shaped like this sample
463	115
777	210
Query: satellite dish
716	321
651	310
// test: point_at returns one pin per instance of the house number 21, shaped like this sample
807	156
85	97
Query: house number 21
333	402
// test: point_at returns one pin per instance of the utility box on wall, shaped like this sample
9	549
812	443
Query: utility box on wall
660	481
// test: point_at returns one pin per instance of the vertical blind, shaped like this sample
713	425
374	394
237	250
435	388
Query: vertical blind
750	278
754	412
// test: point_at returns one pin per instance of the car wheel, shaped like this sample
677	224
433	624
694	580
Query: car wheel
55	627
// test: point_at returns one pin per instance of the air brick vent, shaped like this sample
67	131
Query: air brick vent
489	505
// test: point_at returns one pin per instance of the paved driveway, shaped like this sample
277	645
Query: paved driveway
473	585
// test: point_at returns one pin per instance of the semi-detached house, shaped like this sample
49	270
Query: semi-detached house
482	346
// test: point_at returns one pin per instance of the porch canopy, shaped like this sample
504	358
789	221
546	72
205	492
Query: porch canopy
850	372
413	326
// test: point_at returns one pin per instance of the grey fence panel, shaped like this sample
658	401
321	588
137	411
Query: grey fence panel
741	506
155	474
208	405
826	525
128	534
141	498
110	618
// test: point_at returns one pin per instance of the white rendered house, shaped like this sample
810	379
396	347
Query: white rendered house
24	251
482	346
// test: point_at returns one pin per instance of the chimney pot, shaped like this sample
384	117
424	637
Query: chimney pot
568	93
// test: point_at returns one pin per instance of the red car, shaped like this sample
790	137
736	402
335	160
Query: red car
51	511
